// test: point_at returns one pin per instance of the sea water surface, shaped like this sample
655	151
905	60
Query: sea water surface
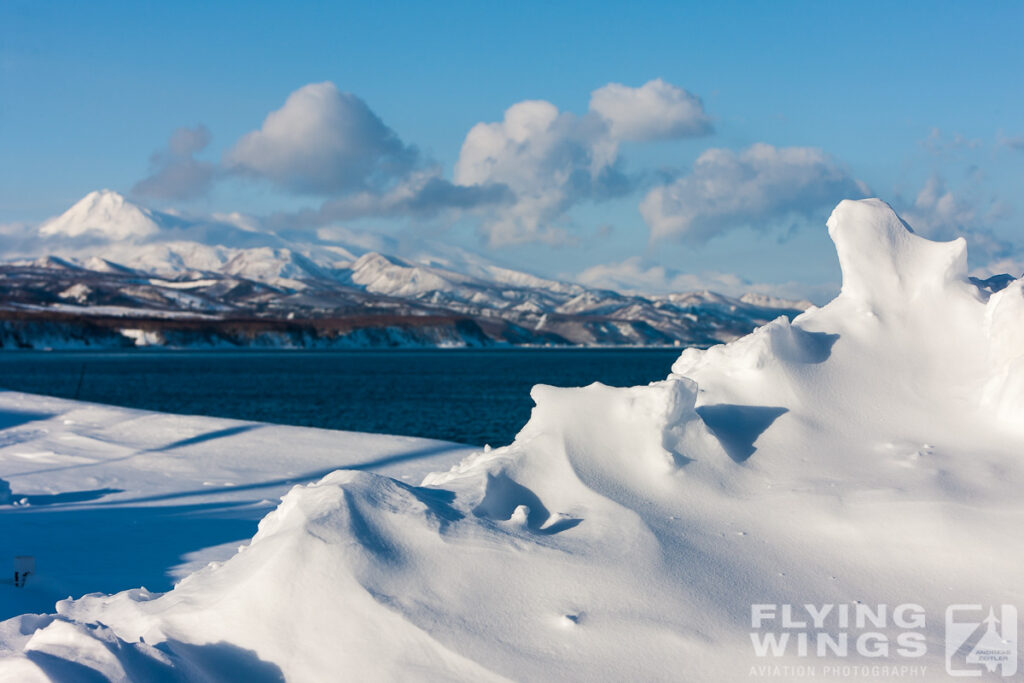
479	396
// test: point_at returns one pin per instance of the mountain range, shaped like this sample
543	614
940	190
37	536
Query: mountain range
110	273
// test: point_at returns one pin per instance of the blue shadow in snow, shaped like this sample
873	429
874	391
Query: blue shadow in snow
438	501
738	427
815	347
208	436
291	481
209	662
503	495
224	662
200	438
10	419
75	553
69	497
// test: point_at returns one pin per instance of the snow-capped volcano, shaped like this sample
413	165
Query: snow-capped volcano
103	214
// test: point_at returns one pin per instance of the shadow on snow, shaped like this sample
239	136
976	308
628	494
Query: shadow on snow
737	427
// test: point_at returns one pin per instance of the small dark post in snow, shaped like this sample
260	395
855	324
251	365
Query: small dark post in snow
81	378
23	566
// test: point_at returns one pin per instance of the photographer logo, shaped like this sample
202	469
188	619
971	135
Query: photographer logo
980	641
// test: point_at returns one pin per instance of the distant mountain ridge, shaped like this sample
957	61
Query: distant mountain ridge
109	273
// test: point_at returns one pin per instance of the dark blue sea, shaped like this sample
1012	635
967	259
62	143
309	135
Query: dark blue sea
470	396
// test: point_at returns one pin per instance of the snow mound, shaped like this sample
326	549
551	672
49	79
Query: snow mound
103	213
868	453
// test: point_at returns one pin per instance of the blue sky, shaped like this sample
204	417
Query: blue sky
919	103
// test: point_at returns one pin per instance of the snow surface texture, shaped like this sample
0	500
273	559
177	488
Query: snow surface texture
110	498
868	452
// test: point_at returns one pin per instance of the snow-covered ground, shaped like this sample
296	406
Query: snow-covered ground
109	498
863	460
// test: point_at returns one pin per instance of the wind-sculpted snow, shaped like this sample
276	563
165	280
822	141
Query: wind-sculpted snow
866	453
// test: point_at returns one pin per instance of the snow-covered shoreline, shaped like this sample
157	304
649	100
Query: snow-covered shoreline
865	457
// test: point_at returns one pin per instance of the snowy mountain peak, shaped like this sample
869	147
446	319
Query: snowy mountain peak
102	213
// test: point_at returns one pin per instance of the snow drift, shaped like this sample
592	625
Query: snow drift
868	453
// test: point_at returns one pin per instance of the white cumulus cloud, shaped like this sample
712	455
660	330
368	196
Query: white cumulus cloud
550	160
655	111
323	141
545	158
753	187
